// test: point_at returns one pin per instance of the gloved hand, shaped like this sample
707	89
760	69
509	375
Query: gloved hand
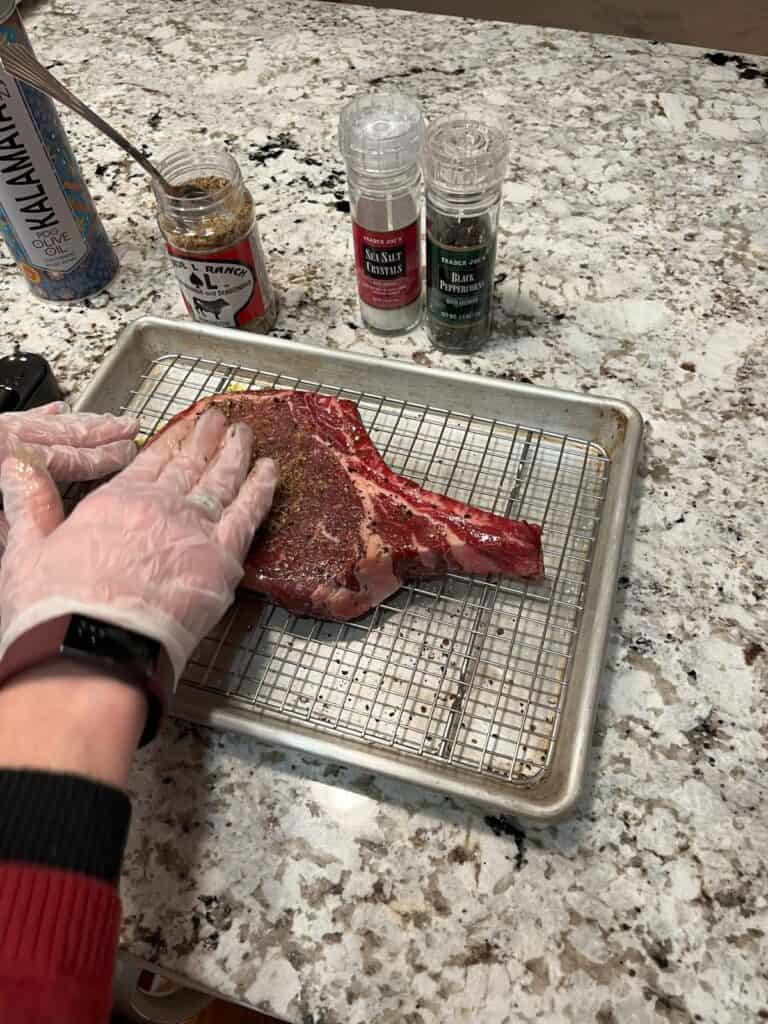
74	446
158	549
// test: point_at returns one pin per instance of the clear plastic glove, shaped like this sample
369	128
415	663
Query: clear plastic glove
159	549
74	446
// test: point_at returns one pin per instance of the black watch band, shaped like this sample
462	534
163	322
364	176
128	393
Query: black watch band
128	656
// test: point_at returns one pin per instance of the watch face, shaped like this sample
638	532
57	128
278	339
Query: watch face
103	642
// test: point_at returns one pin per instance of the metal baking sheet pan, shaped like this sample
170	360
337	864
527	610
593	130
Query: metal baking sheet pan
482	688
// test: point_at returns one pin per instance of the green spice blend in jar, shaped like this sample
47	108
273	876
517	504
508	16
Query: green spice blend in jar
213	241
465	161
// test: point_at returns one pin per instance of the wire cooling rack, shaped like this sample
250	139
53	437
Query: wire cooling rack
467	672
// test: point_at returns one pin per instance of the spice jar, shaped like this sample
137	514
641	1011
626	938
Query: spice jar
380	137
465	161
47	216
213	241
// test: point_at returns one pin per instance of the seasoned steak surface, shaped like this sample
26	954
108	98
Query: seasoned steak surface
345	531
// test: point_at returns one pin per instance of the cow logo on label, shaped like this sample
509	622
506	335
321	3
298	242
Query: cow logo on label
216	290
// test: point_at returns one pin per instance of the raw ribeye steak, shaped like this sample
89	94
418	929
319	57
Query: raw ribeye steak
345	531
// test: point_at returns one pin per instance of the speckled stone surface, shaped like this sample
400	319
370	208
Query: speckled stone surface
633	262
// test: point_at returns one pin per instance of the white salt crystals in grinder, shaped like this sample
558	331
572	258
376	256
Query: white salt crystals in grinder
380	137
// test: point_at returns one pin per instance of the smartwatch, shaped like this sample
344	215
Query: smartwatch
121	653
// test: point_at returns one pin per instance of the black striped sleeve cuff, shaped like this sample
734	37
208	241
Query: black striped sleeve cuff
63	821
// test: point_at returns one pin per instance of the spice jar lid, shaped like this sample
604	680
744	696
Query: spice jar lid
381	133
466	152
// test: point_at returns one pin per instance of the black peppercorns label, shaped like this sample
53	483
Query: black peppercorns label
388	266
459	285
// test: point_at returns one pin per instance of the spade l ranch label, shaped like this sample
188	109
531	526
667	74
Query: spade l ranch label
222	287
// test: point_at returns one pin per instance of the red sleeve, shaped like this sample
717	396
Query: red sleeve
58	937
61	845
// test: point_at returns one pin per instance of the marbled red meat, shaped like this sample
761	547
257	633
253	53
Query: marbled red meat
346	531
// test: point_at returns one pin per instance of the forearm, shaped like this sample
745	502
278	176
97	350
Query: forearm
67	735
63	716
159	553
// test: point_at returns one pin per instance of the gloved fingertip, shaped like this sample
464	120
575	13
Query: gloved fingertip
209	431
212	415
265	470
240	436
242	430
130	425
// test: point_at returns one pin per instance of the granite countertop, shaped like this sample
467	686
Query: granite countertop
633	262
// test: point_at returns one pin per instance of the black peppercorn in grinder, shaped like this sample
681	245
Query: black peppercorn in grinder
26	381
465	164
